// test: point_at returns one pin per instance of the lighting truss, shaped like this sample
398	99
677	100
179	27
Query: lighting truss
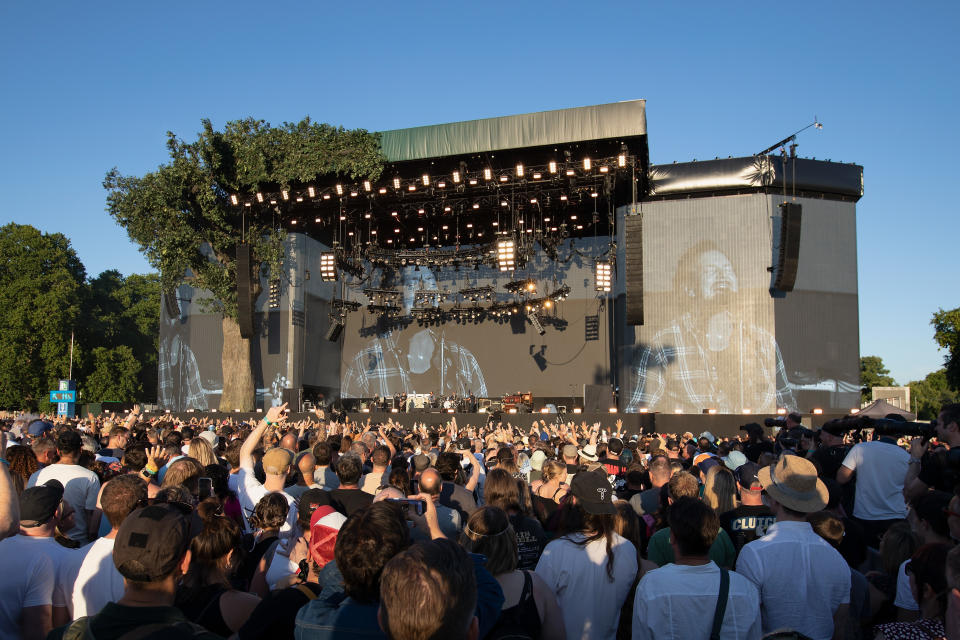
328	266
475	294
382	295
525	287
383	310
603	275
344	306
428	298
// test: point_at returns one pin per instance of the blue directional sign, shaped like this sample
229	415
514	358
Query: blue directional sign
68	395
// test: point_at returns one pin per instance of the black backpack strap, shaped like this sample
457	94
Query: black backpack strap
721	604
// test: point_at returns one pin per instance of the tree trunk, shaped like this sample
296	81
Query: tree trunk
238	388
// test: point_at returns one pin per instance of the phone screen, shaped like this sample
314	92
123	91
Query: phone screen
206	488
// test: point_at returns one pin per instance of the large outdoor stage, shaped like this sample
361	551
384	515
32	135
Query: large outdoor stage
542	254
718	425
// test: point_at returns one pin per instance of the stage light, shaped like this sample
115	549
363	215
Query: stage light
316	219
519	170
339	189
781	412
512	411
504	178
818	411
311	191
621	160
476	205
299	199
273	299
533	201
547	304
412	187
644	410
537	176
469	225
396	183
488	174
587	164
383	190
594	194
354	194
394	410
365	410
552	166
532	286
328	266
603	273
747	412
259	197
563	198
473	182
711	411
544	410
854	412
506	256
577	410
426	180
604	169
571	172
613	409
366	216
326	196
441	184
234	201
456	177
366	185
678	411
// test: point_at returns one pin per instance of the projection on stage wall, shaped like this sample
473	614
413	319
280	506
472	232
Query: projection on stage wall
485	356
712	324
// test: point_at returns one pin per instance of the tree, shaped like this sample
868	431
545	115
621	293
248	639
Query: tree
181	215
125	312
946	331
873	374
931	393
114	375
41	291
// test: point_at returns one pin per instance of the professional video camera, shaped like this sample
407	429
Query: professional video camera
887	427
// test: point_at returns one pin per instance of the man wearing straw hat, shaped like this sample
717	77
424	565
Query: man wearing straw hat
804	583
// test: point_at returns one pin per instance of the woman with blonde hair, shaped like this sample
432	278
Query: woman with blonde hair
201	451
530	607
720	490
548	493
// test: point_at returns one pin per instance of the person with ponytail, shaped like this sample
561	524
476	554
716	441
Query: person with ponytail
590	567
206	596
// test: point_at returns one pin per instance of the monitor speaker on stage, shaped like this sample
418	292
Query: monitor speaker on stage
596	397
633	268
333	333
789	255
244	301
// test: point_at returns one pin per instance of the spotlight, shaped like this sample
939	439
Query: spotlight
311	192
603	276
233	200
366	185
506	256
396	183
552	166
426	180
456	177
488	174
519	170
339	189
273	300
328	266
587	164
621	160
259	197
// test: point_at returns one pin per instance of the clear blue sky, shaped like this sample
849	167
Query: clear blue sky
88	86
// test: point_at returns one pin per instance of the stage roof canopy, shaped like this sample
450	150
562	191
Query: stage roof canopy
598	122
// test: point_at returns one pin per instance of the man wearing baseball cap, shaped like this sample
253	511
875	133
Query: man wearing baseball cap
751	519
151	552
804	582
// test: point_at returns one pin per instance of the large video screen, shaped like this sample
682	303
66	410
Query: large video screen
483	356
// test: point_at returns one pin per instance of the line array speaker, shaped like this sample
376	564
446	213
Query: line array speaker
633	268
244	301
789	255
336	328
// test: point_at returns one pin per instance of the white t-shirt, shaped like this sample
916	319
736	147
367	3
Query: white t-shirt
80	488
29	579
802	579
98	581
577	574
905	599
678	601
250	491
881	468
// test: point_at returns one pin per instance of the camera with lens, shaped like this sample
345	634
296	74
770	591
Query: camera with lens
775	422
887	427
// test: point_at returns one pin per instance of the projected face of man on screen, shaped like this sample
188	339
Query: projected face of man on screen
709	356
416	359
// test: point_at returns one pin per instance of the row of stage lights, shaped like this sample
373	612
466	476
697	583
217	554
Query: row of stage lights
456	179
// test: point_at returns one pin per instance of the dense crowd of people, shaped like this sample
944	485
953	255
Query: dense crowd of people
140	528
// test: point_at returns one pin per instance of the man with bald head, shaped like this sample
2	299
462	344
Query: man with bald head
431	483
289	441
307	465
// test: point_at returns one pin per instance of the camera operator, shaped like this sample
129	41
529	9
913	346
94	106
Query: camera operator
935	469
880	466
829	455
756	444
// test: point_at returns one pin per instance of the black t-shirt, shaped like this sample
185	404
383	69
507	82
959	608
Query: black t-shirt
458	497
347	501
116	621
753	450
531	539
936	472
746	523
276	615
829	459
